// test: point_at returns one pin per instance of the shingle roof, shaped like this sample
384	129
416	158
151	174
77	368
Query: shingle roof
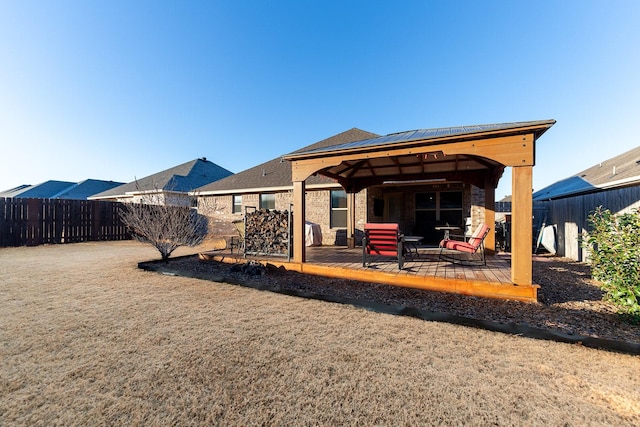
45	190
276	173
622	170
182	178
12	192
87	188
61	189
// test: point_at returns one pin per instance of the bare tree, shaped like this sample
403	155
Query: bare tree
164	227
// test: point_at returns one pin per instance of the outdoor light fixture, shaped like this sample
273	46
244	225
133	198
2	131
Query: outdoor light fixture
434	154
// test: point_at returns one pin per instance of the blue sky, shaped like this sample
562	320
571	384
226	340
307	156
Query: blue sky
118	90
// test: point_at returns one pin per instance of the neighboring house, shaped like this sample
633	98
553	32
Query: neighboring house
613	184
418	206
61	189
171	186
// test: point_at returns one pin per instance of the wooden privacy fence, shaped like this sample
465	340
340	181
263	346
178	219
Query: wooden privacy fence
31	222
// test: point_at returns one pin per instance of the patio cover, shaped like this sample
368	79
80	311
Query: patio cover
473	154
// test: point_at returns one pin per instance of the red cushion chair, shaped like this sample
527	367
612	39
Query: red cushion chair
382	239
474	245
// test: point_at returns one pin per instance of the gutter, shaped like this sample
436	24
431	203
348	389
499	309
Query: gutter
261	190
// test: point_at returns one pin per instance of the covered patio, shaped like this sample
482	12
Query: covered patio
475	155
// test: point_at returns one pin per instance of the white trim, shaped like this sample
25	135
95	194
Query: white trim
141	193
262	190
620	182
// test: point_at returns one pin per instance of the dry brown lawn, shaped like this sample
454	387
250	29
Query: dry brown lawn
86	338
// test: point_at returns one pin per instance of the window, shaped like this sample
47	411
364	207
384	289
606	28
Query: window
237	204
338	209
451	207
437	208
268	201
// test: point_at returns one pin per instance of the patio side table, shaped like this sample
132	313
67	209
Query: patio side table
411	245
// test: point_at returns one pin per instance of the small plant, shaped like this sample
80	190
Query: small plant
614	240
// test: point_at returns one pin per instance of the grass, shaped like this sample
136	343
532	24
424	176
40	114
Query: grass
88	339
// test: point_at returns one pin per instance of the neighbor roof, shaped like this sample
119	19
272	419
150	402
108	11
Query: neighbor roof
61	189
619	171
182	178
87	188
276	173
12	192
44	190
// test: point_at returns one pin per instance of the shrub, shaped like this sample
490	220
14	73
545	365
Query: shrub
614	240
164	227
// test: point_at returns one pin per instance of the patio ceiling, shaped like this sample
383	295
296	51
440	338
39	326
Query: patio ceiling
358	174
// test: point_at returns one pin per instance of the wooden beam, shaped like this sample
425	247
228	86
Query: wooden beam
298	221
521	225
515	150
302	169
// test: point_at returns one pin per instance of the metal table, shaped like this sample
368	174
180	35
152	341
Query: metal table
411	245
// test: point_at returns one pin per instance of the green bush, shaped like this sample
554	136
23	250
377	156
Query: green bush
614	240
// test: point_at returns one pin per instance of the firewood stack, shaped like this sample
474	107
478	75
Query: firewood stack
267	232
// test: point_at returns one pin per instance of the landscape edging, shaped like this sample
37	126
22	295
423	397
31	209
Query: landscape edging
511	328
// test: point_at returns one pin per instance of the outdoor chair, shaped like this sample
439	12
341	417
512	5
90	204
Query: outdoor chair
382	240
464	251
237	242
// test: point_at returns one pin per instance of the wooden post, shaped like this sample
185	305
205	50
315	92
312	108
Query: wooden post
490	215
351	220
298	221
521	225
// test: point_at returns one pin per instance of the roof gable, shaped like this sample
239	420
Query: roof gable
87	188
182	178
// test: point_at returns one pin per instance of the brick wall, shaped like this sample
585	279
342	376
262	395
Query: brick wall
318	205
477	208
369	208
218	209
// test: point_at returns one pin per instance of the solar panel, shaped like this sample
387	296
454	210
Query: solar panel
424	134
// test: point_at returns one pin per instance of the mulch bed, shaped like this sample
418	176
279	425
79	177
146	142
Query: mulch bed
570	307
